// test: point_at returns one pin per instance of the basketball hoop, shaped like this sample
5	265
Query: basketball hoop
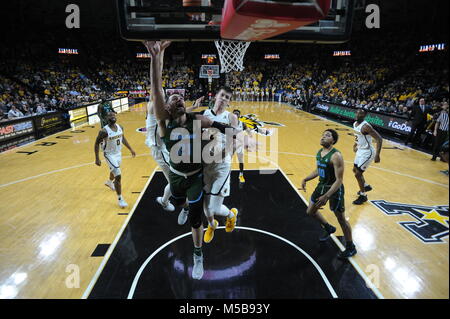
231	54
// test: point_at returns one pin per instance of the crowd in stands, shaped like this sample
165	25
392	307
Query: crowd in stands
40	80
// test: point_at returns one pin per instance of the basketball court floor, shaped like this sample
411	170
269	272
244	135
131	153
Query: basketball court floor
62	234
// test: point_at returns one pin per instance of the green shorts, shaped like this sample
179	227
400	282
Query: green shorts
190	188
337	202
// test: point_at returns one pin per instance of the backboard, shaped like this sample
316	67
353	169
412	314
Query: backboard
170	20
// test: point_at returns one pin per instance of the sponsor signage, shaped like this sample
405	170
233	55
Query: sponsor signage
92	109
48	121
15	129
385	121
9	145
77	114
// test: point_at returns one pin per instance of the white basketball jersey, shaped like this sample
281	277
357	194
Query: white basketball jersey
221	118
363	141
153	138
113	143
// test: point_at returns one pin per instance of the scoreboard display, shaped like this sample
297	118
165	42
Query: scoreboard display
209	59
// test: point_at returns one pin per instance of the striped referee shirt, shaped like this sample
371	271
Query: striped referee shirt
443	121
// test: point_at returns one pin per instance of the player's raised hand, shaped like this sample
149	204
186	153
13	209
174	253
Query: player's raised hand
165	44
199	101
153	47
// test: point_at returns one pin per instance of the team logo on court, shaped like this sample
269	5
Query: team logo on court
252	122
430	223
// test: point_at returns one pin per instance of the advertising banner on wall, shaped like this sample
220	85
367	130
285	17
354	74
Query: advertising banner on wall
388	122
10	130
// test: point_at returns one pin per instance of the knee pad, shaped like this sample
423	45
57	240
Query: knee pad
195	214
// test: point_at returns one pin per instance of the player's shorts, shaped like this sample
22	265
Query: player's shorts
363	159
337	202
190	187
114	160
216	178
161	157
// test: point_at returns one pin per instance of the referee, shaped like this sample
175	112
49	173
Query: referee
440	130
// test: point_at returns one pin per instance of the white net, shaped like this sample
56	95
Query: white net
231	54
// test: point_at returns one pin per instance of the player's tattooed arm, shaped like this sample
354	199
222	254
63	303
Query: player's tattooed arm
100	137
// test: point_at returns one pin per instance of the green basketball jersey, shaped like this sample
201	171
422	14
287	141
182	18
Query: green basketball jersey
185	162
325	168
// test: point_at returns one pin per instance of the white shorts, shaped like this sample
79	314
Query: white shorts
363	159
216	178
161	157
114	160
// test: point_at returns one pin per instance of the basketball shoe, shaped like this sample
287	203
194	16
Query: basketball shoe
182	216
197	270
327	231
209	233
168	206
350	250
231	222
122	203
110	184
360	200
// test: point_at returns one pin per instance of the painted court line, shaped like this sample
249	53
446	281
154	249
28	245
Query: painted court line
60	170
114	243
341	247
147	261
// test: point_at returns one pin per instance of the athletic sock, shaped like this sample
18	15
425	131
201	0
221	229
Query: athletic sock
211	224
198	251
241	168
120	197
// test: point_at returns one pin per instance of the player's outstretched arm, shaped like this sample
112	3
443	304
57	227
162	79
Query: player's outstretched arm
155	50
100	137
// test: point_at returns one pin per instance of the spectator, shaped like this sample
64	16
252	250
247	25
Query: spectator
418	116
14	113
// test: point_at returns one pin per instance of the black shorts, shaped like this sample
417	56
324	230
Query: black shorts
337	202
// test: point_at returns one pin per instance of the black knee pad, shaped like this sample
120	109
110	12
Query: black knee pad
195	213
